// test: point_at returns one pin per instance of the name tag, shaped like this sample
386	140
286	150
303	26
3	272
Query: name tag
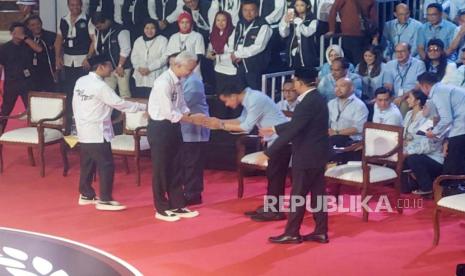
400	92
70	43
132	8
26	72
34	61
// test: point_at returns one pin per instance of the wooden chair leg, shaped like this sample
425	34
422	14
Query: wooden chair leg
30	153
64	156
126	164
436	216
240	182
137	160
397	186
42	160
1	158
364	211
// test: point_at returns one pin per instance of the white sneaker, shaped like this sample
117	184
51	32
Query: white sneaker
167	216
185	213
84	200
109	206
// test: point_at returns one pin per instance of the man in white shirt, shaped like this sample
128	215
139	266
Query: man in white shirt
385	111
93	103
167	108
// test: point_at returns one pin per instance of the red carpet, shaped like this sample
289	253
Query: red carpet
221	241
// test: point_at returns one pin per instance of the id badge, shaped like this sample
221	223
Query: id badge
70	43
26	72
131	8
401	92
34	61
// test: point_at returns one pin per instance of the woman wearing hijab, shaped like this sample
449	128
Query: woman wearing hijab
218	50
186	39
298	27
332	52
148	59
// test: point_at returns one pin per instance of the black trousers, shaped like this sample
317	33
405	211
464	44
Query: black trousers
353	47
251	78
192	162
165	141
141	92
276	172
72	74
343	141
454	162
303	182
99	155
43	80
425	170
13	90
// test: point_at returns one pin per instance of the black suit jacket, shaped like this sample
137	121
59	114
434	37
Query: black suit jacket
308	132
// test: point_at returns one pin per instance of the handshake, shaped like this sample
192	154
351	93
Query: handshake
205	121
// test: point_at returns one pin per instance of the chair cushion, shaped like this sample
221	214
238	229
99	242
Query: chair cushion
251	159
456	202
352	171
30	135
126	143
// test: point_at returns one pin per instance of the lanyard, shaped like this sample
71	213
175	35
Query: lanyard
400	32
147	52
402	77
340	110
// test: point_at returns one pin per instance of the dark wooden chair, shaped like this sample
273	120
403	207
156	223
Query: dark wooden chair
133	142
451	204
45	126
382	159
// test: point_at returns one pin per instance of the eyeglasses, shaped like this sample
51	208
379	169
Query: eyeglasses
432	14
434	49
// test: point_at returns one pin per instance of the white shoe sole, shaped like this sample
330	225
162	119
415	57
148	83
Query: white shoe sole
83	202
167	218
104	207
191	214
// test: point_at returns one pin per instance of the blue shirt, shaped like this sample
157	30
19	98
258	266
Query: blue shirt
327	85
444	31
370	84
450	104
420	144
352	113
194	95
394	33
404	77
326	69
390	116
259	110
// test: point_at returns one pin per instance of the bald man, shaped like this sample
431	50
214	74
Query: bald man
347	115
401	29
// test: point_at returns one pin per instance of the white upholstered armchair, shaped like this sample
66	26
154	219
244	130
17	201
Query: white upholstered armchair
45	126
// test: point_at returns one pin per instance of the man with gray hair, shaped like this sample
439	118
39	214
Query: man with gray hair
167	108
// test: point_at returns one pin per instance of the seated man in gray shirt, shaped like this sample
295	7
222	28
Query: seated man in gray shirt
259	110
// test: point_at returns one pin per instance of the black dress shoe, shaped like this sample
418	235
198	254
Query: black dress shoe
285	239
268	216
254	212
321	238
195	200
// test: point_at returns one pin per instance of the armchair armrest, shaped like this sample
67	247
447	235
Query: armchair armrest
437	188
242	142
354	147
40	124
388	154
140	131
17	116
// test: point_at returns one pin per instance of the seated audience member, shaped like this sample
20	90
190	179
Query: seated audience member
332	52
461	71
165	12
401	29
111	39
186	39
435	27
339	69
445	5
250	39
347	115
258	111
219	49
385	112
458	43
298	27
148	58
290	97
401	74
422	155
195	138
436	62
372	71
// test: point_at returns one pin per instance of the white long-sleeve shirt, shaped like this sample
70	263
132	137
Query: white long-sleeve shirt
118	11
149	54
233	7
171	18
223	62
192	42
93	102
166	101
278	12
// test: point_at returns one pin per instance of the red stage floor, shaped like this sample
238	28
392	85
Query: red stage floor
221	241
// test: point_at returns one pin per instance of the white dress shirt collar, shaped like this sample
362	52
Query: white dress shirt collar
302	96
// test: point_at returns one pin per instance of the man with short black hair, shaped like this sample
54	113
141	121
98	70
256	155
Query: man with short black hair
385	112
450	104
93	103
308	133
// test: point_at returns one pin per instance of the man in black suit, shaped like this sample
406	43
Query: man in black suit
308	133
